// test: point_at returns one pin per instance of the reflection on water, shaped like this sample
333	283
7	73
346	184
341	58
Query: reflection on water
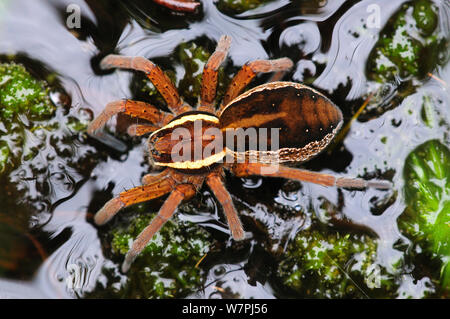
328	40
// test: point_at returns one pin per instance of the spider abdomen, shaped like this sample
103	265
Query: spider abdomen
292	122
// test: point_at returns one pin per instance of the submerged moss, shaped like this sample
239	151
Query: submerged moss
193	58
427	192
239	6
425	16
4	155
426	111
333	265
408	45
167	266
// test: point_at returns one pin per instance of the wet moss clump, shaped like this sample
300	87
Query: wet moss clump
333	265
21	93
239	6
30	122
425	16
4	155
409	45
167	266
426	219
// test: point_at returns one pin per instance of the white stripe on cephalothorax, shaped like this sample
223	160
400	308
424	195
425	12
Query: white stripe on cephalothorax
189	118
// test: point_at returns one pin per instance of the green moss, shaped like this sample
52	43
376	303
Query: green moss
166	267
425	16
29	124
239	6
80	121
193	58
4	155
331	265
427	193
426	112
408	45
21	93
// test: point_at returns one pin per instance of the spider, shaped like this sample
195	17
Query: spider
305	121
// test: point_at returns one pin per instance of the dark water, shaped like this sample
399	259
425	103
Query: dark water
320	38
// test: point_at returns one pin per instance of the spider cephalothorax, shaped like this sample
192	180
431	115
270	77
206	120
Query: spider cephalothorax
249	134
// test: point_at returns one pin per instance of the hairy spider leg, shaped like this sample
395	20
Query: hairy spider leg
210	74
141	129
152	178
181	192
179	5
249	169
248	72
133	108
159	79
215	183
159	187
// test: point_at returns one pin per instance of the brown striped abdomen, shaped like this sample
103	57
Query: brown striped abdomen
306	119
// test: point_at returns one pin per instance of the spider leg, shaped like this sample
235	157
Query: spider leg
133	108
140	129
215	182
159	187
249	169
181	192
179	5
248	72
159	79
210	73
151	178
277	76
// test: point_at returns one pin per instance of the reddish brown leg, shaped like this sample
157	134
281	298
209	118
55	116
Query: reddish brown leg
157	188
277	76
151	178
181	192
140	129
214	181
179	5
249	169
249	71
133	108
210	73
159	79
